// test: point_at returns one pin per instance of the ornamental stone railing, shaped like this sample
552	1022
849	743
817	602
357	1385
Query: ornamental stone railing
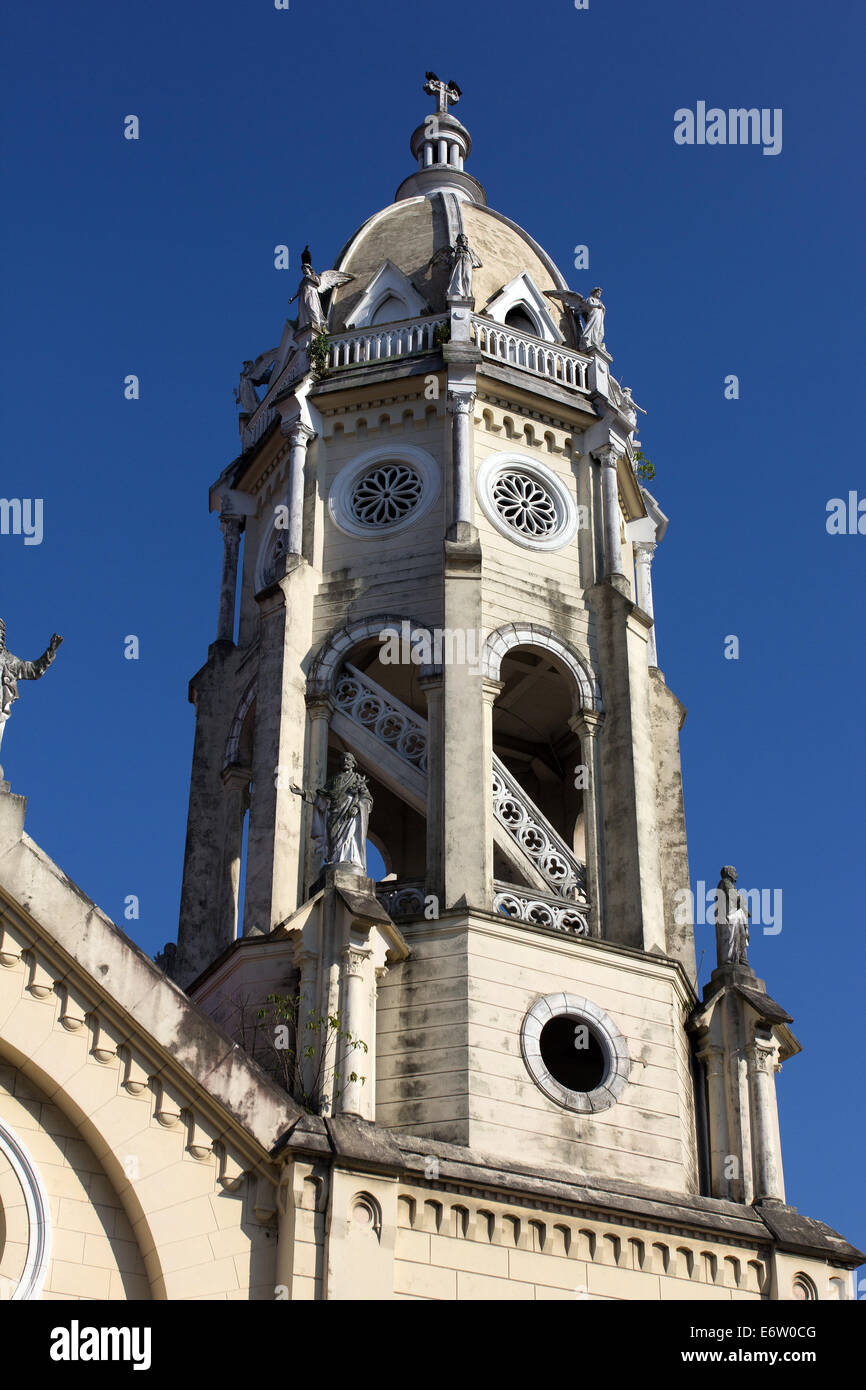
365	345
541	909
256	426
536	836
402	897
383	715
549	360
399	728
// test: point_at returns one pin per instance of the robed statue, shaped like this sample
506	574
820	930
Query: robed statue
341	814
310	291
462	260
588	313
13	670
732	920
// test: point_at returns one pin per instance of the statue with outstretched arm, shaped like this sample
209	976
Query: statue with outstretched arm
13	670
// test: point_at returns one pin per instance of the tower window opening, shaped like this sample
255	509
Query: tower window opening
573	1054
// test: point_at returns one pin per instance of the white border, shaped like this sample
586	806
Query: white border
618	1064
38	1215
340	496
495	464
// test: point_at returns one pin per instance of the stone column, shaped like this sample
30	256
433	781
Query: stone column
231	527
612	543
299	436
643	558
462	404
766	1157
319	711
236	782
307	962
432	687
354	1021
586	725
712	1060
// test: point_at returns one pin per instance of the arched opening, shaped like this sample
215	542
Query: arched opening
532	739
520	318
390	310
380	717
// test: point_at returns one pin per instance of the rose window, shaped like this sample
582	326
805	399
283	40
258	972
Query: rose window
524	503
387	493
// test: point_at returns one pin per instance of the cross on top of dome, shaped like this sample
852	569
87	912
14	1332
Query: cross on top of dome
446	93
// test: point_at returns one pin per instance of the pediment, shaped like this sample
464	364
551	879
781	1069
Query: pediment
388	284
523	293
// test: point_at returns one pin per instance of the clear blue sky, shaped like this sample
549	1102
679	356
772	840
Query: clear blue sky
156	258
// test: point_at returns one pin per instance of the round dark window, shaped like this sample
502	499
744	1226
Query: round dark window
573	1054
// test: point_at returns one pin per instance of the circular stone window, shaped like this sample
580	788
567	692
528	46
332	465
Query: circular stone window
385	494
383	491
575	1053
526	502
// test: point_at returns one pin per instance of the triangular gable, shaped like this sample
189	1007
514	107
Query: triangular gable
522	292
389	282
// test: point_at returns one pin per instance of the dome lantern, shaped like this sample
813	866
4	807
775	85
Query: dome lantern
441	146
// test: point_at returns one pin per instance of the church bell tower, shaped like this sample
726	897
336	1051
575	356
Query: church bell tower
436	637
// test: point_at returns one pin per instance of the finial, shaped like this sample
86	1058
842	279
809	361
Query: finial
446	93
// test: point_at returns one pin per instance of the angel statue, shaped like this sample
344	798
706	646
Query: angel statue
732	920
341	814
463	261
589	314
253	374
310	291
13	670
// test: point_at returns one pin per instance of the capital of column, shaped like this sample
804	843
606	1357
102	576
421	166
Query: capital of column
608	456
761	1055
235	777
462	402
297	432
490	689
586	723
231	525
711	1055
320	705
354	960
644	550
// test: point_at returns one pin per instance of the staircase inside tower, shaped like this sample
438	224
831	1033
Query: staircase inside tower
539	877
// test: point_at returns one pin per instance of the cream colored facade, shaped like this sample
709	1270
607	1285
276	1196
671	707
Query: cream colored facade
527	803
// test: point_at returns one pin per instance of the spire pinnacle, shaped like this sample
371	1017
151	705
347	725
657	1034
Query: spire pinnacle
446	93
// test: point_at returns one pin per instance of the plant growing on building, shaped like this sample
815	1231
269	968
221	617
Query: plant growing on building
319	350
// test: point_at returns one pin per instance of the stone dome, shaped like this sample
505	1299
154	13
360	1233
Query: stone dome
431	207
408	233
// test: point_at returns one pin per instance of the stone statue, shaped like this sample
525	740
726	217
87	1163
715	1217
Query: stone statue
732	920
462	260
254	374
341	814
589	314
13	670
310	291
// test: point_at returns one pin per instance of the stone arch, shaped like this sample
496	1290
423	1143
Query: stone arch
75	1107
336	648
587	692
25	1198
237	724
